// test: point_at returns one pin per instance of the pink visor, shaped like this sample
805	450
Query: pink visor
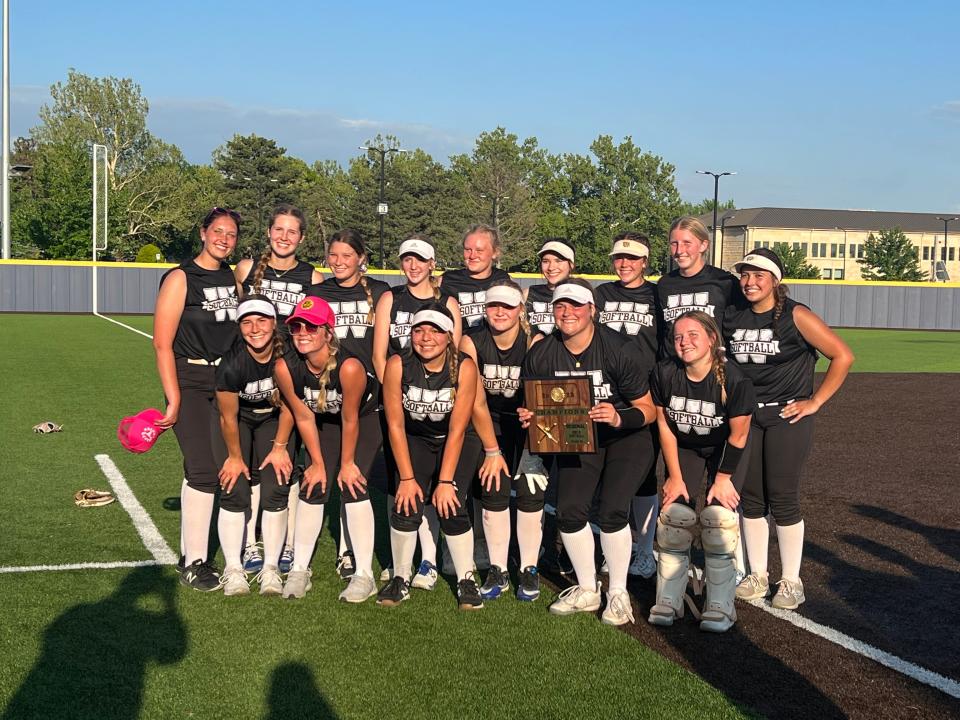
139	433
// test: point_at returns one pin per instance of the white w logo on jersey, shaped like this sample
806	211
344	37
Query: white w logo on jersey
222	301
472	306
311	398
351	318
423	403
258	390
285	295
541	317
501	379
698	415
754	345
626	316
400	329
677	305
601	390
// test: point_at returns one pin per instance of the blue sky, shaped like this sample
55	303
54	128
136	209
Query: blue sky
832	105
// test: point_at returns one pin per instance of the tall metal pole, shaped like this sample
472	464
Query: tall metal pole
5	165
716	202
383	163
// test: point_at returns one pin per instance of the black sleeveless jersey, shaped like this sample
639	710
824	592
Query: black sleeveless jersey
471	293
695	411
404	307
307	387
500	371
426	398
208	325
539	307
618	372
710	291
777	359
632	312
354	327
284	287
239	373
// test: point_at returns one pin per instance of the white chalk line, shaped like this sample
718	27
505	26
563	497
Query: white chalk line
904	667
81	566
124	325
152	539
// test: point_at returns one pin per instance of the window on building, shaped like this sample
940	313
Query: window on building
943	254
853	250
823	249
756	244
859	251
816	250
833	250
804	247
827	274
951	254
926	253
796	246
838	274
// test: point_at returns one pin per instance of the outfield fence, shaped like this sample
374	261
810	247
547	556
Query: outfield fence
131	288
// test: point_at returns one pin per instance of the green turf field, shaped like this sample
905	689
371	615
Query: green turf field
910	351
129	643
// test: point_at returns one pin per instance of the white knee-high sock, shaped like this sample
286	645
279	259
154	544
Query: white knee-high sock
196	512
756	537
429	534
496	528
344	544
645	518
309	525
790	540
402	546
738	554
529	537
461	550
360	528
580	547
293	503
616	549
230	527
274	531
251	536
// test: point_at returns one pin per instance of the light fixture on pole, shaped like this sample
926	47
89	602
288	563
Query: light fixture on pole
716	195
382	207
946	223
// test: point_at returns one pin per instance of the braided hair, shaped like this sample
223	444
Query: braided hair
354	239
323	377
781	292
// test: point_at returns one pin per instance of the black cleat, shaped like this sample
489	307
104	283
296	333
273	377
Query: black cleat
200	575
497	584
346	566
468	594
394	592
529	588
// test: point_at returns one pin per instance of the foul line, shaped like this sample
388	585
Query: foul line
151	537
124	325
904	667
82	566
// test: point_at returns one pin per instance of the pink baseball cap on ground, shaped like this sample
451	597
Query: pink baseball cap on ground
315	311
138	433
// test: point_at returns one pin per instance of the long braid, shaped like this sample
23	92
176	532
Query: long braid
781	292
525	325
720	369
453	360
276	354
333	347
366	289
261	269
435	284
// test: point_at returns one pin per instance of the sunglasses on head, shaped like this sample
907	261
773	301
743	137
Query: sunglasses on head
299	327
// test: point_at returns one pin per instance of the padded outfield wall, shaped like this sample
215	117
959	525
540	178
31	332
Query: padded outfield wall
131	288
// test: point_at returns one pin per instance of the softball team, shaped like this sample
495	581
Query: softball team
775	340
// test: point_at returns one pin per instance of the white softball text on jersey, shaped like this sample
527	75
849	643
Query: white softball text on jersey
222	301
285	295
626	317
542	317
472	306
351	318
678	304
258	390
691	414
311	397
753	345
423	403
401	328
501	379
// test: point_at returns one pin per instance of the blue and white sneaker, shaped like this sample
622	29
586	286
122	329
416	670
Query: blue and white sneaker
286	559
529	588
426	577
496	584
252	558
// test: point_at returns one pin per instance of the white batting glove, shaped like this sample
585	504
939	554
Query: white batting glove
532	467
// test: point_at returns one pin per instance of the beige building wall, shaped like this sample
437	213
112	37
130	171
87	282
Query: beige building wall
835	252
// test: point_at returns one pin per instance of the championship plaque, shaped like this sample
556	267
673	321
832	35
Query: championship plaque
562	422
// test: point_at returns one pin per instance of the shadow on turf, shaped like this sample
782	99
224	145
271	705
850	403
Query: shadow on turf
294	694
94	656
946	540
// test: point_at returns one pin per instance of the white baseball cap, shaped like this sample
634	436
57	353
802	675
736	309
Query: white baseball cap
505	295
558	247
631	248
432	317
420	248
572	291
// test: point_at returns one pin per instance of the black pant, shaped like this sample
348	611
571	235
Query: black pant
256	440
511	438
331	438
619	467
194	429
695	463
777	454
426	454
649	485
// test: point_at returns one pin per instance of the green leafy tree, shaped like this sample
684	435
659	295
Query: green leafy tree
795	263
891	256
149	253
705	206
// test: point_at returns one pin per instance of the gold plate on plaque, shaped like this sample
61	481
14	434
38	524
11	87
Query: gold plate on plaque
562	408
558	394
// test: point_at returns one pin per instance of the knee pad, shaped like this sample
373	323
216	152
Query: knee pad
496	501
719	535
405	523
529	503
457	525
720	530
238	500
785	510
676	528
274	497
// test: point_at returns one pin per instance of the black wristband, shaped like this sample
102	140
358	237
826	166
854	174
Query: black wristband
631	419
730	458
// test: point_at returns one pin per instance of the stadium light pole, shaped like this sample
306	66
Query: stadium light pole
381	205
946	223
5	163
716	200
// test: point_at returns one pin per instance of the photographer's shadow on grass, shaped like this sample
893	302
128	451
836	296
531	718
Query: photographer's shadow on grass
294	694
94	656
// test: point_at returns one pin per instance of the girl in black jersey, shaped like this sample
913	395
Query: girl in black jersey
392	336
623	411
252	429
557	260
428	397
498	346
775	341
468	285
353	297
629	306
315	379
703	411
284	279
193	325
